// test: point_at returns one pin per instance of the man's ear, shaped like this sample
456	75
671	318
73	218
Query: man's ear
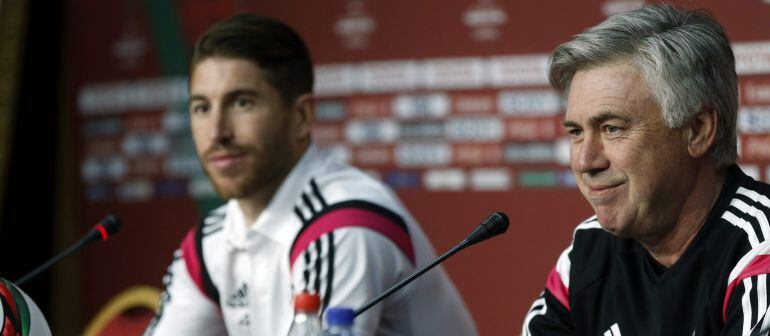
303	112
701	132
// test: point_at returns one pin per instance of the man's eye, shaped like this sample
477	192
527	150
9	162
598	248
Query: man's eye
575	132
611	129
199	108
244	103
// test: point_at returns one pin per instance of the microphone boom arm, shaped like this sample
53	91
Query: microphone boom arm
409	279
494	225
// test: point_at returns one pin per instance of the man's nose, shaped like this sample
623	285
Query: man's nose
222	126
588	156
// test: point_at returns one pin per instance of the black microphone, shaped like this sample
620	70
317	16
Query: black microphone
494	225
103	230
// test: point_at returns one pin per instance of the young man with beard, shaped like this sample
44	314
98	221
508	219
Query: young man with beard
296	220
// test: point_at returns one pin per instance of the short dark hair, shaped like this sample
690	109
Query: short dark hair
274	46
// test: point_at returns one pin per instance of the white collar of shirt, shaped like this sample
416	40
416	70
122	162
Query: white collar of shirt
272	222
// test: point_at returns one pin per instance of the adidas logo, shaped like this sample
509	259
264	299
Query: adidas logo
245	321
613	331
240	298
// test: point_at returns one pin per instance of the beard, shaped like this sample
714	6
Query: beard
259	171
233	187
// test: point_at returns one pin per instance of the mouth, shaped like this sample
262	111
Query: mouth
601	192
225	161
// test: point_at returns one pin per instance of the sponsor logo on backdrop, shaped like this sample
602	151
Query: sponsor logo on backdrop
434	73
484	18
370	107
182	165
403	179
371	131
529	103
327	133
561	151
422	130
567	179
755	147
518	70
528	152
145	143
613	7
423	154
391	76
474	129
131	47
170	188
491	179
373	156
201	187
450	179
330	110
176	122
752	58
478	154
412	106
101	127
530	129
142	122
473	103
99	168
132	96
136	190
454	73
145	167
754	120
102	147
755	92
538	178
355	26
336	79
98	193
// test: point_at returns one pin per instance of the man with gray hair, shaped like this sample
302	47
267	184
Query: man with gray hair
679	241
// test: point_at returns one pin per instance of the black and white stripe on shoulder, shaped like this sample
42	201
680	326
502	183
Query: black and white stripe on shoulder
214	221
318	267
590	223
310	203
748	210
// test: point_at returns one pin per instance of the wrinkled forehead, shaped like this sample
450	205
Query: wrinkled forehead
616	88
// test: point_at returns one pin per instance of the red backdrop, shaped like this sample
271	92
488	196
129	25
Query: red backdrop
473	136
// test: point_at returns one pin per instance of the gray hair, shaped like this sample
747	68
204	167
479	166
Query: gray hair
683	55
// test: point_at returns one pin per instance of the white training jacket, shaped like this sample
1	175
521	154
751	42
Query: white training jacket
329	229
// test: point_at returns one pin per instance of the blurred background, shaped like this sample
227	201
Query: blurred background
445	101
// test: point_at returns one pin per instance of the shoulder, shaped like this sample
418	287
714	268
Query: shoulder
743	222
589	235
210	226
340	182
354	220
590	255
214	220
585	238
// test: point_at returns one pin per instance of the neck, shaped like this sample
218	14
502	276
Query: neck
253	205
666	248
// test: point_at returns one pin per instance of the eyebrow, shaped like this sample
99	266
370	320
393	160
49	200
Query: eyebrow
597	119
229	95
